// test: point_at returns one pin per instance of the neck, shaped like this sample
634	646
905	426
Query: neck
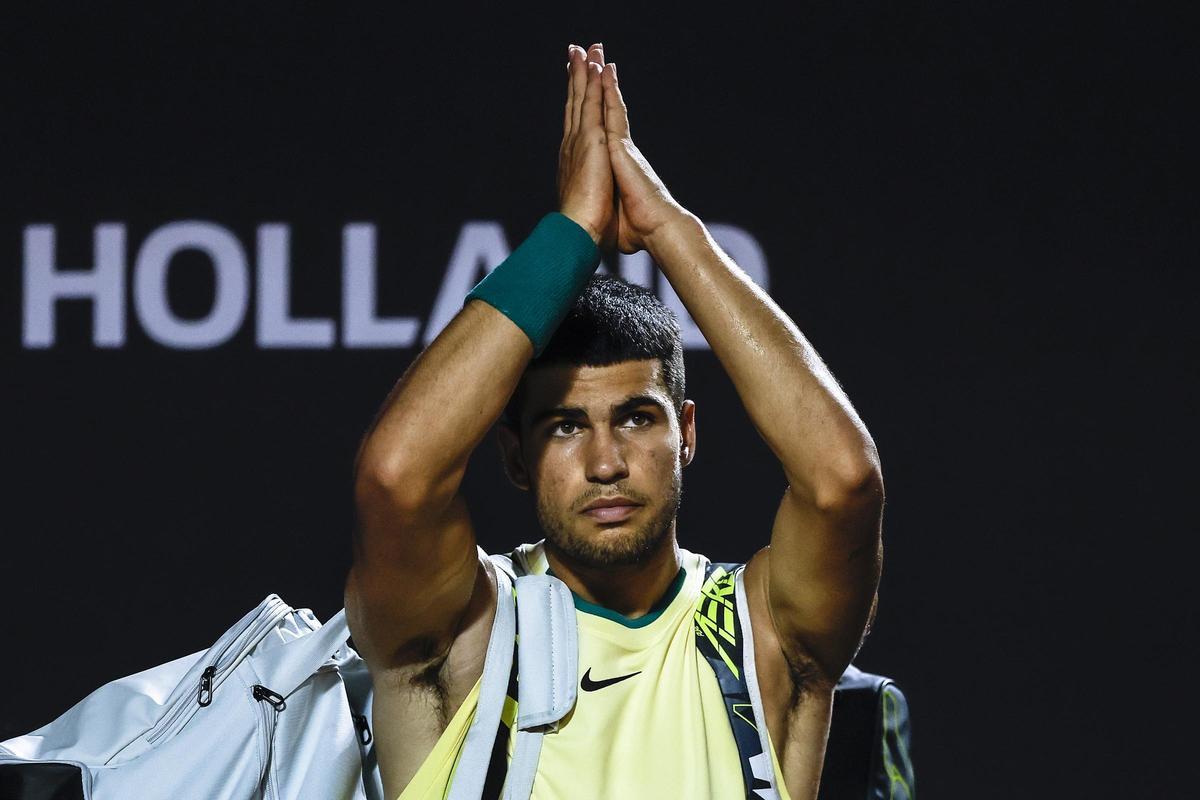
629	589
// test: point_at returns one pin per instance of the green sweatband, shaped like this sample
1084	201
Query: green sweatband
536	285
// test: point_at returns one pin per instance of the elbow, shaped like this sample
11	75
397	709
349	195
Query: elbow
857	483
406	494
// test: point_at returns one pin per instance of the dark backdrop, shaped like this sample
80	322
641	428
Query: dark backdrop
979	217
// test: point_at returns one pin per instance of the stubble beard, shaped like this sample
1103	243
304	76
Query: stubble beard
607	550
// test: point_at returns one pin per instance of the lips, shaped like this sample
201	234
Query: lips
611	509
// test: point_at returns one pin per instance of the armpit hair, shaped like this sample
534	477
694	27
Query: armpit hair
422	674
806	676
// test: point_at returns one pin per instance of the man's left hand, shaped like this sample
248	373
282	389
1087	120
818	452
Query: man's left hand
644	206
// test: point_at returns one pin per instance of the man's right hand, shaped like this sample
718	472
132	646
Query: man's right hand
585	182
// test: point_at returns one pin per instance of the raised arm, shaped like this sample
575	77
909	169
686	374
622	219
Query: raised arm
824	560
415	563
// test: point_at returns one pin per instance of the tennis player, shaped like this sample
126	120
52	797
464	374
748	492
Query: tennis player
582	377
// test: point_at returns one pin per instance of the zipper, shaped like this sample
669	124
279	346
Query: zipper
222	659
204	696
366	756
269	705
274	698
363	728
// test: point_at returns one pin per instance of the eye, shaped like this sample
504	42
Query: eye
640	415
558	427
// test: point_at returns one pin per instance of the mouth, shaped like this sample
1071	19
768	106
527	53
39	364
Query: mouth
611	513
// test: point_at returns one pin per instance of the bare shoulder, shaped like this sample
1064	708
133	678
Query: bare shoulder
797	702
414	702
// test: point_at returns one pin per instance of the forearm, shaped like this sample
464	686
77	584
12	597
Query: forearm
791	397
444	404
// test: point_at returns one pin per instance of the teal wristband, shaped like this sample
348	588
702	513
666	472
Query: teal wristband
536	285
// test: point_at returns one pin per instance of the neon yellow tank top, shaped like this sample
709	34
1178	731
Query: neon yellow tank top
660	732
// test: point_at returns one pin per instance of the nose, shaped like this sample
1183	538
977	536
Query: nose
605	457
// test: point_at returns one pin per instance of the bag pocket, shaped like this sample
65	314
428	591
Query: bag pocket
52	779
221	659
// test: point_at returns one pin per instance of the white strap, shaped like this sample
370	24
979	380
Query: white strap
762	766
471	772
548	658
548	664
283	669
521	772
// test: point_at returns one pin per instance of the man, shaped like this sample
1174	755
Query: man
598	430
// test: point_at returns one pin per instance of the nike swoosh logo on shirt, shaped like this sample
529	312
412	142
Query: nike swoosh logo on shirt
589	685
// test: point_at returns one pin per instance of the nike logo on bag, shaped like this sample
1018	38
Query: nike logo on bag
589	685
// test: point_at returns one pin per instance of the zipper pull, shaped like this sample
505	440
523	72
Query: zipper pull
364	730
204	696
274	698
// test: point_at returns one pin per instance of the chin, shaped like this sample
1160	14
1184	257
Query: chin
618	544
629	541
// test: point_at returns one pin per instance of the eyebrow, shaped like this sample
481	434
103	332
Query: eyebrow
574	412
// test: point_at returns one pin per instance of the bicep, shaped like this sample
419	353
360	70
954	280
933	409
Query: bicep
410	583
822	577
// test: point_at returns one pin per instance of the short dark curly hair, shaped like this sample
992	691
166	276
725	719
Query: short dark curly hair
611	321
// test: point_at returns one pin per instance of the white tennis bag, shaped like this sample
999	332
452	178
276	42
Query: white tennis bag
278	708
214	724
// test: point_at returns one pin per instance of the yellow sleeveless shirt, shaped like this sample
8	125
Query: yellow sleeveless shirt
659	731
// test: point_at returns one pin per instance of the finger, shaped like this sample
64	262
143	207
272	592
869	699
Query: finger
565	145
616	116
596	53
579	76
567	115
590	114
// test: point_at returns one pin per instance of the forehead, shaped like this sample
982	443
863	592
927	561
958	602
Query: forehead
594	389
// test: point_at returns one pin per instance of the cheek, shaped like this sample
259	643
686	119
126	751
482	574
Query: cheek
659	463
550	473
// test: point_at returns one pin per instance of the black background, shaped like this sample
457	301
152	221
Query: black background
979	216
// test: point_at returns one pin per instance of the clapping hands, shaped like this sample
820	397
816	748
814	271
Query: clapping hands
605	184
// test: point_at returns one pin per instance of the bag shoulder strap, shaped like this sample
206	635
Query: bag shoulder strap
724	638
470	774
542	647
869	749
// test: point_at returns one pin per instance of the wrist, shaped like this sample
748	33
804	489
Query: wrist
536	285
580	220
678	226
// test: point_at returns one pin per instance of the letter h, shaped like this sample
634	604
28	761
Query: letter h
45	284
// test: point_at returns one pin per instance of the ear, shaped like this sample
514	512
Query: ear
687	432
511	457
